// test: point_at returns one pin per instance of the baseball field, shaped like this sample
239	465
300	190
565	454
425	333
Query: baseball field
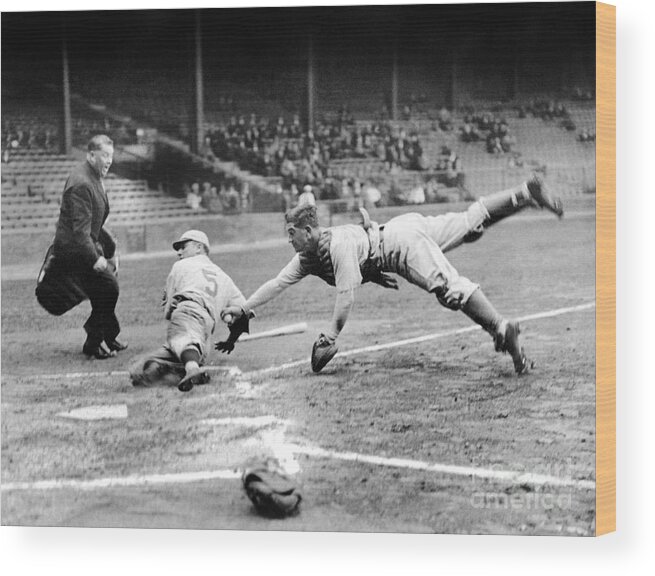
417	426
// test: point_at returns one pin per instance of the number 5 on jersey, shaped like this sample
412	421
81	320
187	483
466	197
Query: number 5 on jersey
212	287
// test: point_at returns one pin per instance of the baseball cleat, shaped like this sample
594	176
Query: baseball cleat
193	378
509	343
540	194
139	380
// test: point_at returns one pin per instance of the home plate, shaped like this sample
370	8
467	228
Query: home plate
106	412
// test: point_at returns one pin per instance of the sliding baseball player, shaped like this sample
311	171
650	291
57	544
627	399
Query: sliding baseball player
411	246
196	292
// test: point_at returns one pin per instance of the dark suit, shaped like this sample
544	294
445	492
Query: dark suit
80	240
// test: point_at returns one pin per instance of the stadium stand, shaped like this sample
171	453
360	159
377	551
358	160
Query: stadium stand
33	181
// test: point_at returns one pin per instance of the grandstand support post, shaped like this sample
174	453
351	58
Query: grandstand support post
394	80
199	94
516	67
451	90
67	144
310	81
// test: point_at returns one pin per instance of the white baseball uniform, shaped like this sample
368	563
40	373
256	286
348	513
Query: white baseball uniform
410	245
196	292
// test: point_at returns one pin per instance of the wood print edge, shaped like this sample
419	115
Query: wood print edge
605	269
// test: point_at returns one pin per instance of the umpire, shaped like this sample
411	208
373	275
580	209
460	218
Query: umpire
83	254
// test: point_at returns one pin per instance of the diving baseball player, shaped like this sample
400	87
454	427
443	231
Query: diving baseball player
411	246
196	292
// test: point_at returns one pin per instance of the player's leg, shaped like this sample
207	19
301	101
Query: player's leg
411	253
189	329
159	368
533	192
455	228
194	374
504	332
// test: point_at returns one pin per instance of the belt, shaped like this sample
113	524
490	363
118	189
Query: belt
180	298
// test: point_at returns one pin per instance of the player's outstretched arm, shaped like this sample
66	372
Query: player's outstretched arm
325	347
265	293
342	307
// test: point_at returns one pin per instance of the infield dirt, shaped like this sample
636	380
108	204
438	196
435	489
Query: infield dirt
450	400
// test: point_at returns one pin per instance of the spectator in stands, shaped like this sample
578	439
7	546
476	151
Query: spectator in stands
431	187
207	151
568	124
416	195
288	172
515	160
245	196
230	199
307	196
393	168
371	196
330	188
414	154
468	132
193	197
494	145
213	202
208	194
445	120
357	194
455	176
587	136
84	251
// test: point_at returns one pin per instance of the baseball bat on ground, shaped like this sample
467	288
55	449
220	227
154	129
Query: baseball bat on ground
281	331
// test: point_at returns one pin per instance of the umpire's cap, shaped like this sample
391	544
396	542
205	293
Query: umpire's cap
195	235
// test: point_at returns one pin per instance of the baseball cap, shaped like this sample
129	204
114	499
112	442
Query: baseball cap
196	235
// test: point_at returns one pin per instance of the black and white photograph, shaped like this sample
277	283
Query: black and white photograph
301	269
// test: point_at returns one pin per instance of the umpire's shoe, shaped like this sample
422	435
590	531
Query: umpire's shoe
540	194
97	351
116	345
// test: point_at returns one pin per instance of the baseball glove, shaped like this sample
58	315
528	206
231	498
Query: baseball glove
271	491
323	351
238	327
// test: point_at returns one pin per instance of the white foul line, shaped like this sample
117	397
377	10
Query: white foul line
419	339
109	374
133	480
508	476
